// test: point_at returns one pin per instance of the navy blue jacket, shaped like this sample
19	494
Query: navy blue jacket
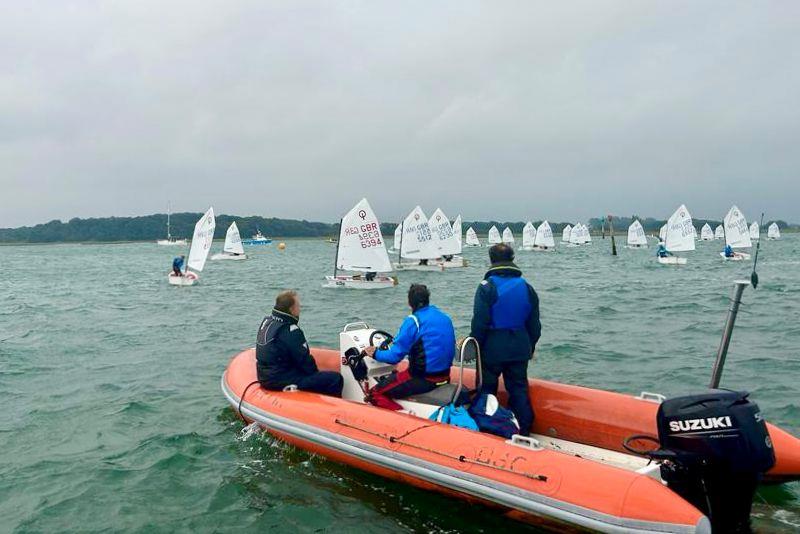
428	338
177	263
505	316
282	355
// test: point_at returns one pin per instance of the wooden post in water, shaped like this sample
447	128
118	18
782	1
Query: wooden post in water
613	241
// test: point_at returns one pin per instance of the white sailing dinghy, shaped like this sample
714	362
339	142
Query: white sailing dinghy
694	232
508	236
494	236
232	249
737	234
458	232
472	238
719	232
446	242
565	233
544	242
575	236
679	237
361	249
636	237
662	233
396	245
706	233
773	232
528	236
755	231
201	245
417	244
170	240
587	235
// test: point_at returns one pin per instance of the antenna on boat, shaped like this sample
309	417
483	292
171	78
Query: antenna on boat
754	274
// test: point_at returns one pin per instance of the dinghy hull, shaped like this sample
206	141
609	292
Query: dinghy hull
672	260
188	279
170	242
353	282
737	256
223	256
433	267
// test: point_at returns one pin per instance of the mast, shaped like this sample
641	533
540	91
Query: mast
168	212
338	241
400	249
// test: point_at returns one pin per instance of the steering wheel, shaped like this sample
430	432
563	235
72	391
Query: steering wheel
387	339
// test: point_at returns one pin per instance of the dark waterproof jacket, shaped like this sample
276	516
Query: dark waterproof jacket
505	316
282	355
177	263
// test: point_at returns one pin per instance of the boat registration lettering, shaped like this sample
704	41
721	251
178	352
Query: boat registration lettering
368	234
505	461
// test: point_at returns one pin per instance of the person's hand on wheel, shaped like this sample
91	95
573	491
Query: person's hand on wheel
370	351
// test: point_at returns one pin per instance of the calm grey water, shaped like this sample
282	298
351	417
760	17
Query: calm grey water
112	416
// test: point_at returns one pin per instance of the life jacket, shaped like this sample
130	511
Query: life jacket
513	306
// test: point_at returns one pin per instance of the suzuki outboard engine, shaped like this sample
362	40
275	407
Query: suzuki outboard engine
715	448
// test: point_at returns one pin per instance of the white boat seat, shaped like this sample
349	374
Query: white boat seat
438	397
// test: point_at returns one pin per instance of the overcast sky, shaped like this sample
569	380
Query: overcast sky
505	110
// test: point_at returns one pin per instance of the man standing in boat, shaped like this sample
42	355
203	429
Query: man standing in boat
428	338
282	355
177	265
505	322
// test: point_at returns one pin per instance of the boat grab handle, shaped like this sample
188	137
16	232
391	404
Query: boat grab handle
290	388
526	442
651	397
360	325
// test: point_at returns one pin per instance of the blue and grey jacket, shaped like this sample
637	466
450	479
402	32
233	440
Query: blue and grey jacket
177	263
428	338
505	315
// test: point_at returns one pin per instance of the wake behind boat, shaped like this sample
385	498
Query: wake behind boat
361	248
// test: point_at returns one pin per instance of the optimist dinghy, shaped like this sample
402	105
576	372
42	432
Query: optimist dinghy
719	232
585	467
201	244
755	231
706	233
508	236
471	238
232	249
636	237
448	246
737	234
361	248
543	241
565	233
528	236
417	244
773	232
494	236
679	237
396	245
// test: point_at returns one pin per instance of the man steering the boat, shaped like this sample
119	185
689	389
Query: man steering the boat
177	265
505	322
282	355
428	339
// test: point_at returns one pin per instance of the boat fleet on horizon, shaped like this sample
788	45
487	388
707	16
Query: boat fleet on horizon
435	244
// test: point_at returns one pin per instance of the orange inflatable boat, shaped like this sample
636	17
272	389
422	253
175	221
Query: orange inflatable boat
574	471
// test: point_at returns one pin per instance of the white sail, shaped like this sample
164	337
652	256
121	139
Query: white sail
737	233
494	236
706	233
576	236
565	233
417	241
694	231
636	235
719	232
201	240
662	233
472	238
587	236
361	246
233	241
774	232
396	244
544	236
442	231
755	231
508	236
679	236
528	235
457	231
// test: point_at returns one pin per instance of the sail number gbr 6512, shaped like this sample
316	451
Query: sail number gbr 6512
369	235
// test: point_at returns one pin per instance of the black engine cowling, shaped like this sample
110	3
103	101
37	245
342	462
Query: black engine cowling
717	449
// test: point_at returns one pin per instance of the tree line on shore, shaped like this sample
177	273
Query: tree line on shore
152	227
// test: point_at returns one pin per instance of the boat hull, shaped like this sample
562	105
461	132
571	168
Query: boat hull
541	486
352	282
188	279
430	267
672	260
737	256
171	242
231	257
256	243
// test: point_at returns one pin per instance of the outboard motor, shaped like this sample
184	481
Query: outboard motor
715	448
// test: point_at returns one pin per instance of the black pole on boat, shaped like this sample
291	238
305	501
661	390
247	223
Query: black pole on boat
722	352
336	260
400	248
611	231
754	274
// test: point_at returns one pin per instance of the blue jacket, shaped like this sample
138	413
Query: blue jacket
728	251
662	251
505	316
177	263
428	338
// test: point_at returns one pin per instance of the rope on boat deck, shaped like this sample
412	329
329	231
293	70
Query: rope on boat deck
461	458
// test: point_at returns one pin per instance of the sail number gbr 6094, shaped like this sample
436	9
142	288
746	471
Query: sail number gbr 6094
369	235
